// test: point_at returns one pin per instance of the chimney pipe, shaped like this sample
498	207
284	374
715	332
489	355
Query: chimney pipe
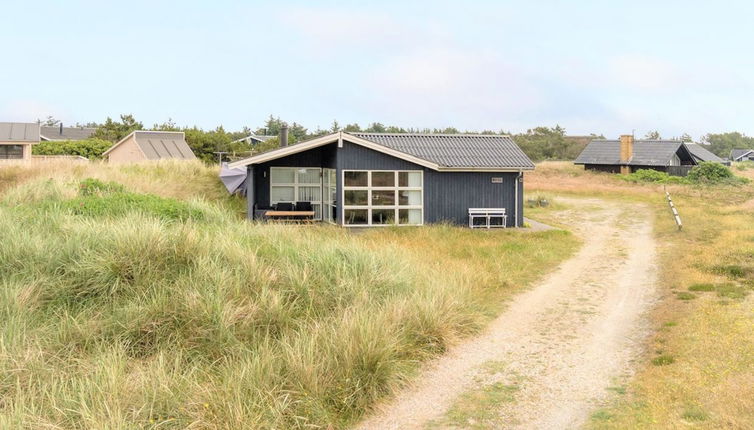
283	137
626	153
61	128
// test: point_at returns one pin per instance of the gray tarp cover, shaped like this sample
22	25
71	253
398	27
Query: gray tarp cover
234	179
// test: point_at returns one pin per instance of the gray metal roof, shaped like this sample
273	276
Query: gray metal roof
645	152
701	153
738	153
69	133
158	145
456	150
19	132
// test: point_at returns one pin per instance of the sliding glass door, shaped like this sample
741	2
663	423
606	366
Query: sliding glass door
297	184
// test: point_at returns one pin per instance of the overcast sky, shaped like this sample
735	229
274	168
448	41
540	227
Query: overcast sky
592	67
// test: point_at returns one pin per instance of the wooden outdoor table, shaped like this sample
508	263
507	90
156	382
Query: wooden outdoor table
290	215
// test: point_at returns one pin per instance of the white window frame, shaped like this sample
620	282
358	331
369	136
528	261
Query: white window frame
327	187
296	184
396	188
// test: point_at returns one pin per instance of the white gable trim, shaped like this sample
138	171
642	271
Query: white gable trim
341	136
325	140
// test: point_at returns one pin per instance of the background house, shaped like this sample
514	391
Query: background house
253	139
375	179
16	139
55	133
742	155
628	155
700	153
143	145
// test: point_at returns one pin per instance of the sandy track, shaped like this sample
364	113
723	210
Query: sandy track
565	341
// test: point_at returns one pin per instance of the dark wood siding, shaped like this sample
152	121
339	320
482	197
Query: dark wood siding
449	195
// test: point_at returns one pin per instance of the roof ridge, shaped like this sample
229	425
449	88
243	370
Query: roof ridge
429	134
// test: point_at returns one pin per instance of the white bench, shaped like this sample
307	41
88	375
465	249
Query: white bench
488	214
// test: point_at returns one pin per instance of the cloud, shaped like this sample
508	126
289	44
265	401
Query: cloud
646	73
331	30
452	84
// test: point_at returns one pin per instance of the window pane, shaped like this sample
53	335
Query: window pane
383	216
356	216
282	176
410	198
410	216
11	152
308	194
383	179
410	179
383	198
282	194
355	179
308	176
356	197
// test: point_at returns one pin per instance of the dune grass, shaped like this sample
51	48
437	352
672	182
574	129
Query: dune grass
699	365
125	316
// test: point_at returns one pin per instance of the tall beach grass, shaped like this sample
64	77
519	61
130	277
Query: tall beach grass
122	318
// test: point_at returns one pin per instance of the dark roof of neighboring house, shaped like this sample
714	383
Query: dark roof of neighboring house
738	153
455	150
701	153
645	152
69	133
159	145
19	132
436	151
257	137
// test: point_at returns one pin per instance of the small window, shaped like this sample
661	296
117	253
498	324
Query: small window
355	179
356	216
383	216
409	216
409	179
282	176
383	179
409	198
383	198
282	194
357	197
11	152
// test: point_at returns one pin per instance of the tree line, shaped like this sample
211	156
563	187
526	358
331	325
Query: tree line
539	143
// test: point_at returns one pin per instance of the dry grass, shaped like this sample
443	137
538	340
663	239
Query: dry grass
125	320
170	178
699	366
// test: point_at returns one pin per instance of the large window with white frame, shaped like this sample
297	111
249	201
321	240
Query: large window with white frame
297	184
383	197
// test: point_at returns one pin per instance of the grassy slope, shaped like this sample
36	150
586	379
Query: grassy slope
131	320
699	366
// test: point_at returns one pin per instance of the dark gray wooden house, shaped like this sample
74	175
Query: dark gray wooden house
739	155
628	155
375	179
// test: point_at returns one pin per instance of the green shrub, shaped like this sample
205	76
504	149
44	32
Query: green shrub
120	203
90	148
91	186
652	176
713	173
